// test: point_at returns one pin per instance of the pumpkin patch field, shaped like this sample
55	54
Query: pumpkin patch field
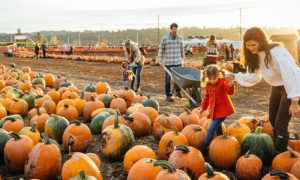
65	120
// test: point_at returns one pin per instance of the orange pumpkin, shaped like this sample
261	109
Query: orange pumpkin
135	154
224	151
195	135
279	174
295	143
55	95
238	130
248	121
139	98
164	123
49	106
90	107
189	160
144	168
77	162
35	110
49	79
266	125
31	132
40	119
249	166
40	99
57	81
188	117
44	160
69	112
285	160
3	112
88	95
79	104
102	87
119	104
69	95
110	121
150	112
69	102
13	124
200	115
25	86
139	123
296	169
170	172
212	175
95	158
168	141
26	69
16	151
78	136
18	106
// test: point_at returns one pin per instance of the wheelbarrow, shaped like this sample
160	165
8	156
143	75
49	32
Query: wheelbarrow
188	80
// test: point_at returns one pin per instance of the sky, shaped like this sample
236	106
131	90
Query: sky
79	15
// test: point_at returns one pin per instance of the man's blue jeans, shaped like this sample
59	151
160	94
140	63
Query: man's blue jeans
137	71
215	126
168	81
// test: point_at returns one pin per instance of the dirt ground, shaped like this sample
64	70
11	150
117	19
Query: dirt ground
251	101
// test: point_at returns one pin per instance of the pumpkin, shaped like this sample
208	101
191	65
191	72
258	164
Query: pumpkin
135	154
189	160
266	125
248	121
249	166
16	93
69	112
39	81
66	83
139	123
49	79
77	136
164	123
109	110
296	169
102	87
4	137
63	90
150	112
57	81
72	88
168	141
116	140
26	69
97	121
95	158
88	95
200	115
285	160
90	107
3	112
44	160
170	172
139	98
133	108
16	151
78	162
195	135
238	130
31	132
119	104
49	106
18	106
106	99
13	124
55	127
211	174
110	121
224	151
3	120
29	98
144	169
83	176
278	174
295	143
90	88
36	91
151	103
39	119
79	104
69	95
24	86
69	102
55	95
34	111
5	101
188	117
259	144
127	95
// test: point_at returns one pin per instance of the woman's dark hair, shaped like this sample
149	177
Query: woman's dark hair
252	60
173	25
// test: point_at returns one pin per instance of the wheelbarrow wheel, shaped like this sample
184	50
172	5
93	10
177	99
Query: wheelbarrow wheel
196	95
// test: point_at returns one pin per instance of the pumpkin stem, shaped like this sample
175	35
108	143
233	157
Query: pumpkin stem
224	136
12	119
197	129
148	96
247	154
76	122
258	130
82	95
38	110
279	173
14	99
149	160
116	121
70	150
127	118
209	170
187	110
33	128
93	98
118	112
15	135
182	148
66	106
166	165
46	138
82	175
175	130
291	151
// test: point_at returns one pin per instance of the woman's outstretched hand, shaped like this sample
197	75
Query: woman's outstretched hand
230	78
294	109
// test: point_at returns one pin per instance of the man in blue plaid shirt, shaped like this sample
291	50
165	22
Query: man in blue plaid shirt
171	54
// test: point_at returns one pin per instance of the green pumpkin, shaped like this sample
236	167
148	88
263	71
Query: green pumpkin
39	81
116	140
106	99
134	107
4	137
151	103
83	176
66	84
259	144
15	116
29	98
90	88
97	121
55	127
17	92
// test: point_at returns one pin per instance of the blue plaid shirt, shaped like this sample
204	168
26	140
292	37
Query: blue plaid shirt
171	50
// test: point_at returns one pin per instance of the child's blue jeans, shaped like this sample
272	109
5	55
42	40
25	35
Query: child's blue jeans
215	126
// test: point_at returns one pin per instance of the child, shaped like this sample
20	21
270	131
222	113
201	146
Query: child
127	75
216	96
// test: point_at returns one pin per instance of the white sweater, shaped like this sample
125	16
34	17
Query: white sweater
282	70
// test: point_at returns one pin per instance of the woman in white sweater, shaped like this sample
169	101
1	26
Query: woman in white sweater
276	66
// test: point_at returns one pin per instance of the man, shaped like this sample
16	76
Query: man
36	50
298	48
171	54
44	49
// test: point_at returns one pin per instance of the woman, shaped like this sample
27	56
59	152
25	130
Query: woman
276	66
136	60
212	50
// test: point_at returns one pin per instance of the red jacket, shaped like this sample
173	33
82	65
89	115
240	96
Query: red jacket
217	98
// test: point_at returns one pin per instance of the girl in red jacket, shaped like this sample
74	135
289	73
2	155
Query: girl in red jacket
217	98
